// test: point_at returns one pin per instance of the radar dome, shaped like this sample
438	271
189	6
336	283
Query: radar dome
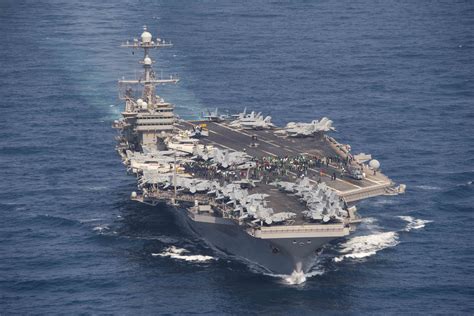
139	102
146	37
374	164
147	61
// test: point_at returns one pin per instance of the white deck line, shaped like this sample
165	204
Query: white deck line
374	181
246	134
217	144
337	179
268	153
366	188
232	129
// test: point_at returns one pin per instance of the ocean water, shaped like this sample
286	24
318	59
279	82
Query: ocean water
396	77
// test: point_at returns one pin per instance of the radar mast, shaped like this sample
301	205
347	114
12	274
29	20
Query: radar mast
146	119
148	80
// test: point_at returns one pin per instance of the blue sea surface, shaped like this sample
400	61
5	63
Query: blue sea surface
396	77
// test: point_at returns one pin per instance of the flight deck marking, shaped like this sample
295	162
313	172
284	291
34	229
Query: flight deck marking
337	179
218	144
276	145
268	153
246	134
375	181
368	189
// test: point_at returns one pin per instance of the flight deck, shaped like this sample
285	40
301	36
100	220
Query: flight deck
267	143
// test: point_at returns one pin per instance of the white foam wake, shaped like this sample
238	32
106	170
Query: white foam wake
297	277
414	223
383	201
101	228
83	221
428	187
365	246
96	188
181	254
370	223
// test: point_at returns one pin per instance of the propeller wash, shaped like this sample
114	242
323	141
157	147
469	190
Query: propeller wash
273	196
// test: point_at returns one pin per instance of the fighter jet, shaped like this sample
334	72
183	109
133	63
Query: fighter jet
198	131
293	129
153	177
240	115
204	152
280	217
323	204
247	183
252	121
247	165
285	186
260	212
195	185
258	123
227	158
190	185
214	116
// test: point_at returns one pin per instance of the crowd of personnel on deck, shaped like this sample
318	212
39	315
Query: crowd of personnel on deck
271	168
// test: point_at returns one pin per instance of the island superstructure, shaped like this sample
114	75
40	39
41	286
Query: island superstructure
273	196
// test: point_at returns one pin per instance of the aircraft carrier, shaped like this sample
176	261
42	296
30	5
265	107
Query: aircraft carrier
273	196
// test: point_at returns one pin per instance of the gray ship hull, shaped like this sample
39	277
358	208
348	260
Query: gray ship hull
277	255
